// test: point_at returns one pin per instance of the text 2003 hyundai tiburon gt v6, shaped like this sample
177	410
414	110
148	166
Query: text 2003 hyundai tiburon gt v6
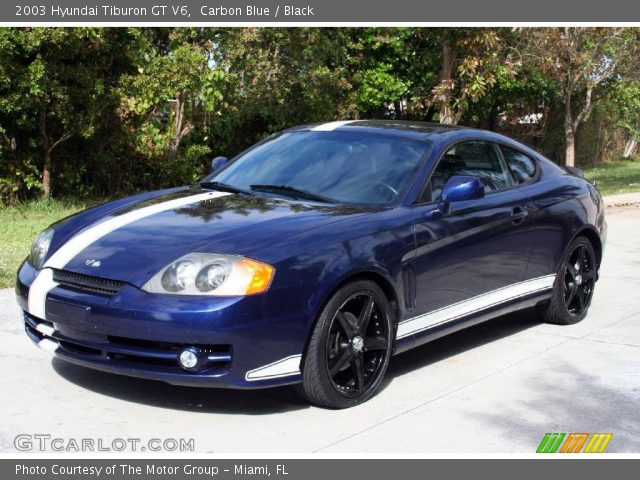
314	256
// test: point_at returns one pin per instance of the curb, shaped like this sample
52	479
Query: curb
623	200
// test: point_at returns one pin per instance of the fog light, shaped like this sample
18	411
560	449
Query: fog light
190	358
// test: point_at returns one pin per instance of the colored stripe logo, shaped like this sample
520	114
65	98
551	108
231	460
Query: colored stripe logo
573	442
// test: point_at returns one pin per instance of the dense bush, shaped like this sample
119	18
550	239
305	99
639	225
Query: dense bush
99	112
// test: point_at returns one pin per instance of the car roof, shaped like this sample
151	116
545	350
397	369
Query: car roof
401	128
439	134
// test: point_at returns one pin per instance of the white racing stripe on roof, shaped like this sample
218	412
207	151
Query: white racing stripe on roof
331	126
44	283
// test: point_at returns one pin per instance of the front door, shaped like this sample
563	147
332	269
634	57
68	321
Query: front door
475	256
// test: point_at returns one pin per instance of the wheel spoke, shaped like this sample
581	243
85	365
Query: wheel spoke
365	315
579	296
572	295
346	326
340	363
358	343
588	276
580	262
375	343
358	371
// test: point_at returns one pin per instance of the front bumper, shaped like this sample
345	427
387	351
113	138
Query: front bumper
248	342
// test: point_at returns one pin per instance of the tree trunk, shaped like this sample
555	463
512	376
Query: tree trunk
570	152
177	128
46	144
447	116
46	174
446	113
630	148
447	59
571	125
569	130
48	147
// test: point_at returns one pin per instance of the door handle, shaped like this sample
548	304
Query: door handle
518	214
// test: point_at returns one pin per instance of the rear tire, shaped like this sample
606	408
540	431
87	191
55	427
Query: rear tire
350	347
574	285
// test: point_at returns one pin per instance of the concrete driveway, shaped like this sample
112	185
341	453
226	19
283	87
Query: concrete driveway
498	387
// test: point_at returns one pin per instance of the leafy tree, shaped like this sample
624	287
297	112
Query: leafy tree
53	83
472	59
381	70
379	87
624	97
283	76
177	86
580	60
108	111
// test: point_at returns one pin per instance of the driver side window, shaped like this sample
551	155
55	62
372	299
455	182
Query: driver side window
475	158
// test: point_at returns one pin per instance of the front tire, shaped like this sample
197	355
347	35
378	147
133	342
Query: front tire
350	347
574	285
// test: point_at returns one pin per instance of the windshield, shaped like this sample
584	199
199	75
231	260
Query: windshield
345	167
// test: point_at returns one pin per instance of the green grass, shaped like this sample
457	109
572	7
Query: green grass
616	177
20	224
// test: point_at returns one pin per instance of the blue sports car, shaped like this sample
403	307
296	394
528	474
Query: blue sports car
314	256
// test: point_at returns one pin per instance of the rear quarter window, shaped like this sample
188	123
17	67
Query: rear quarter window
522	167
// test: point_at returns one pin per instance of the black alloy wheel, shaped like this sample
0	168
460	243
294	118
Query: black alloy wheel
357	344
350	347
574	285
579	280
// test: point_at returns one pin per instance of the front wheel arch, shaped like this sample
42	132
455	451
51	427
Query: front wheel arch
371	275
318	379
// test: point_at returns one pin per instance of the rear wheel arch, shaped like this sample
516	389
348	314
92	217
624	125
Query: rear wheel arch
592	235
574	284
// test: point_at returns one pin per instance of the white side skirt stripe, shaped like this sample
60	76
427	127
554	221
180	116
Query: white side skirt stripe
44	283
282	368
475	304
331	126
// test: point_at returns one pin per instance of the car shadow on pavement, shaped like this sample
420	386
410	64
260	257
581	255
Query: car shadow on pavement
160	394
461	341
280	399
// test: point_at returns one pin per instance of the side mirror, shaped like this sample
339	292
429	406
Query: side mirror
218	163
457	189
462	187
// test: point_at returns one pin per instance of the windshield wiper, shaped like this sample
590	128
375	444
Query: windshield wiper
294	192
225	187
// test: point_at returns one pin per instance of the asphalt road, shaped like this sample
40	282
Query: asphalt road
497	388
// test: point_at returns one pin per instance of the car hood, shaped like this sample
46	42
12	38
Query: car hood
133	243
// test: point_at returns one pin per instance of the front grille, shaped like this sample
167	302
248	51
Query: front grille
86	283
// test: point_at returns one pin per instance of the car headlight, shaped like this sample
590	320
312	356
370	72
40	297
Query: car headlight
212	274
39	248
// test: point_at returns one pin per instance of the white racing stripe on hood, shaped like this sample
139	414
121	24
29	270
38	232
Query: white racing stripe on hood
38	290
331	126
44	283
